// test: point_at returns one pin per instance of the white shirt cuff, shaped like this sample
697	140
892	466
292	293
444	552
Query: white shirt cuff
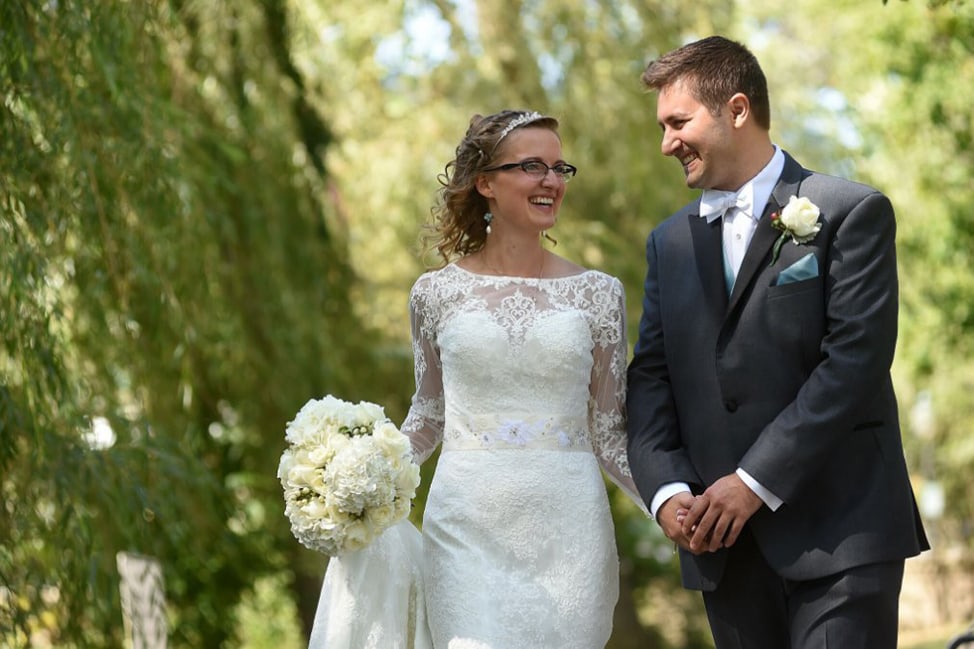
771	500
666	492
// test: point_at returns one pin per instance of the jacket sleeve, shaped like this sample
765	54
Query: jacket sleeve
656	452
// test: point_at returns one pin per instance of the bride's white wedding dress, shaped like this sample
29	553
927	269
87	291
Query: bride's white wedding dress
523	382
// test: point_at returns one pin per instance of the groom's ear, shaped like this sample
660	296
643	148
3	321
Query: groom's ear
740	108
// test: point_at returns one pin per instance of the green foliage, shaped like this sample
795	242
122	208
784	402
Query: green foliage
279	630
931	84
170	266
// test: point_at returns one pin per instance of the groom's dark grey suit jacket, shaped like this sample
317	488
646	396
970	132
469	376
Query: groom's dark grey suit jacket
789	381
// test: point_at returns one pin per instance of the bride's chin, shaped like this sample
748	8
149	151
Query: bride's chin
548	222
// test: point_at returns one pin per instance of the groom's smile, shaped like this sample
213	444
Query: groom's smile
701	140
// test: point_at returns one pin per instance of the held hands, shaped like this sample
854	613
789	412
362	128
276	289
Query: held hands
715	519
671	515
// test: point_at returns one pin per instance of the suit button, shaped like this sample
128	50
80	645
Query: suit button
730	405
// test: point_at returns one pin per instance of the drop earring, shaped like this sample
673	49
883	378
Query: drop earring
488	217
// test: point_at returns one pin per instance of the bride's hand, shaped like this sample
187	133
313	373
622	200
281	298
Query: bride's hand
671	515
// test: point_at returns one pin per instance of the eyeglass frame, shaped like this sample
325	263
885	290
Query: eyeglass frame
566	174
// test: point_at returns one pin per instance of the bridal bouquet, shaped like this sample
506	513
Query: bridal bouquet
347	474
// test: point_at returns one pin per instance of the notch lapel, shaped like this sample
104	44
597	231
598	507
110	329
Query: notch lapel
708	248
757	254
759	251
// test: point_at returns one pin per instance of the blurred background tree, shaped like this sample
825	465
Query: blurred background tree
209	216
172	280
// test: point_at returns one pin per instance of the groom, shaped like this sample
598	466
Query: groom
763	428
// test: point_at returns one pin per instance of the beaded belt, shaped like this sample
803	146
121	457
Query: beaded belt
493	431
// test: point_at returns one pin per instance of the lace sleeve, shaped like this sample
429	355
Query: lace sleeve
607	401
424	422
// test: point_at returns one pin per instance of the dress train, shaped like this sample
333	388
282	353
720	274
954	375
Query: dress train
373	598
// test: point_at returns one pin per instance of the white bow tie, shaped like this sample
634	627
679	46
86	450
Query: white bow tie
714	203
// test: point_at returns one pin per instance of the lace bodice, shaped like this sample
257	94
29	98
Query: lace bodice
503	362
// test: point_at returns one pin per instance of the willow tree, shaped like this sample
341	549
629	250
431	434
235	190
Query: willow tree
170	268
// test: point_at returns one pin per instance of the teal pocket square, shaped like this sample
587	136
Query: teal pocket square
804	268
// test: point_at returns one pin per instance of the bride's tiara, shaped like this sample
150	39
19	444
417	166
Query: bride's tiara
526	118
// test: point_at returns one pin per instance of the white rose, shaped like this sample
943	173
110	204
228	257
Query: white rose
287	461
408	480
388	437
313	421
320	455
365	413
358	534
336	444
800	219
301	475
382	516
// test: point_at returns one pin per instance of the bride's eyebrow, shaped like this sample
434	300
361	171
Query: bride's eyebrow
537	158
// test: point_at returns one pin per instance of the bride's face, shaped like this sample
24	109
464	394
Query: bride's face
519	199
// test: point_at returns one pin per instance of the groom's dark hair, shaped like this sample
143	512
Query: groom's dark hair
714	69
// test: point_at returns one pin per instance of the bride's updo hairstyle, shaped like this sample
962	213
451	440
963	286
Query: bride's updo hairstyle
458	227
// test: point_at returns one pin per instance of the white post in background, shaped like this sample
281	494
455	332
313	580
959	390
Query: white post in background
143	600
930	501
931	496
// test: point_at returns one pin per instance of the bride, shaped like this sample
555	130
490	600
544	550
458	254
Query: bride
520	359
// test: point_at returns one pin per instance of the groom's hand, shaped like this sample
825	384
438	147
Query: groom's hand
717	517
670	518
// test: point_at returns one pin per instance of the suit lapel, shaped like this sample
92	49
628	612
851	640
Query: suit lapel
758	252
709	253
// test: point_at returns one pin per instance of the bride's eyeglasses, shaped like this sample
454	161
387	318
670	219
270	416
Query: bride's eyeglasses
538	169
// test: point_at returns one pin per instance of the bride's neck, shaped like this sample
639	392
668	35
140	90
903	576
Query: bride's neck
513	260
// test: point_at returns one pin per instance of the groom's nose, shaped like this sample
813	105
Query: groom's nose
670	144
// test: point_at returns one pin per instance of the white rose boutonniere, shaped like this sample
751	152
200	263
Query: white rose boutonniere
797	221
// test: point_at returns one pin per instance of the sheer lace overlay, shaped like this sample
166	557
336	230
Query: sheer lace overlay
523	383
511	352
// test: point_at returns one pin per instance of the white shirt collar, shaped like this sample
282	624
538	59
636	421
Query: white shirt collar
750	198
